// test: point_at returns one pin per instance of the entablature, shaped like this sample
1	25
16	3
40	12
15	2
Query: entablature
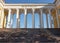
5	5
29	5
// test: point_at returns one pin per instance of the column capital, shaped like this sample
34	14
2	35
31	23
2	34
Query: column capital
25	11
49	10
9	9
17	9
17	12
41	8
33	9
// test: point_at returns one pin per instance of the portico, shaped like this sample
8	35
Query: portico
18	11
52	21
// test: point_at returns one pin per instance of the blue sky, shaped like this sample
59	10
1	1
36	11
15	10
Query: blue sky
29	16
29	1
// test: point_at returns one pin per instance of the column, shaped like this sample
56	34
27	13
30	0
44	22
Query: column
9	17
50	18
47	20
57	18
41	19
5	20
18	19
33	19
25	17
2	19
11	20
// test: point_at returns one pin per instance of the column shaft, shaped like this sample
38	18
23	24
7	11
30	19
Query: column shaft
11	20
50	19
47	20
9	17
25	18
33	19
5	21
41	19
18	19
2	18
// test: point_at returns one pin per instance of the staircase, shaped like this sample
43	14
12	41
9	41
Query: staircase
27	36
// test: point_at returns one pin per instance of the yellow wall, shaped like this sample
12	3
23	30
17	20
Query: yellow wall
55	19
58	14
1	17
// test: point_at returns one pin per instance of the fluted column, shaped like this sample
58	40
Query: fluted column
41	19
33	19
18	19
9	17
25	17
50	18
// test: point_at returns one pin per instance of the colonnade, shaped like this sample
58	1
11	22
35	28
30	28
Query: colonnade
33	19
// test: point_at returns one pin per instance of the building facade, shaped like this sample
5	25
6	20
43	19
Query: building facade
52	21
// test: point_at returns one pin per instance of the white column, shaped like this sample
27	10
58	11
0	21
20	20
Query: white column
25	17
11	20
33	19
50	19
9	17
57	18
18	19
41	19
47	20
